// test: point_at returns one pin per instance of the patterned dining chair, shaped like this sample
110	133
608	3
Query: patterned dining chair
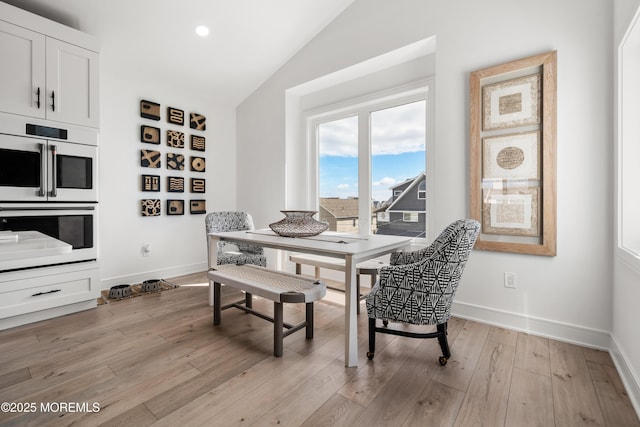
418	287
235	252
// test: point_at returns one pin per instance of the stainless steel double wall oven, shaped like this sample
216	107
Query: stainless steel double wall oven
48	183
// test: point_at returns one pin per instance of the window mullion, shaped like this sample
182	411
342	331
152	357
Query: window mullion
364	172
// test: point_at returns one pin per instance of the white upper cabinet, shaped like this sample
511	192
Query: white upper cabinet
22	74
72	84
47	78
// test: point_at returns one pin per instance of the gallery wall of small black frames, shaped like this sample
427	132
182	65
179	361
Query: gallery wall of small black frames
182	156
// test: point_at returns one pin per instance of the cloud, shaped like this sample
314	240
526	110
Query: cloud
343	186
339	138
394	130
386	182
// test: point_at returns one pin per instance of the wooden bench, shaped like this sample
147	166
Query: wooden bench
273	285
367	267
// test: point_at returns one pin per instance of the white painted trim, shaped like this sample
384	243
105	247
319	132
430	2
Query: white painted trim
156	274
629	377
560	331
629	255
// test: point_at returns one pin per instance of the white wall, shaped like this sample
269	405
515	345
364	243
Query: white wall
625	347
568	296
177	242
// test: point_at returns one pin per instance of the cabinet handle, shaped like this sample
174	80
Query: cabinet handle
53	100
38	101
53	291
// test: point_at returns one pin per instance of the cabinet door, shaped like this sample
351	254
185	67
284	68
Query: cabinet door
22	76
72	84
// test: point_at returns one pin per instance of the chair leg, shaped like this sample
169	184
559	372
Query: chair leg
309	319
444	344
217	304
278	331
248	300
372	338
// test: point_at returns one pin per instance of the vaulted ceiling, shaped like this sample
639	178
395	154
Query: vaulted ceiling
248	40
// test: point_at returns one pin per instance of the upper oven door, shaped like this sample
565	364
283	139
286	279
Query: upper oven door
73	174
23	169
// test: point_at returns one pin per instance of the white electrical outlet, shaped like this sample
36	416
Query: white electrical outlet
146	249
509	280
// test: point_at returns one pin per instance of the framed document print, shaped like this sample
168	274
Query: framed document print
513	155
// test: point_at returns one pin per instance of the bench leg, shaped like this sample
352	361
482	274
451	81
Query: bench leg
309	319
217	304
248	301
298	268
278	329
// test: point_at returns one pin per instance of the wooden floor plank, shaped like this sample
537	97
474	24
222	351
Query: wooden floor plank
485	402
468	347
437	406
616	408
302	401
14	377
574	395
530	400
532	354
158	360
337	411
138	416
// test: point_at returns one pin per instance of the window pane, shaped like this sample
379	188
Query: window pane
398	181
338	174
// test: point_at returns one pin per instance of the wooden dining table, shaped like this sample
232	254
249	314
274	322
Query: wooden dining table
352	248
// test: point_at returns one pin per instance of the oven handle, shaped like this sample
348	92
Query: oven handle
47	208
41	192
54	170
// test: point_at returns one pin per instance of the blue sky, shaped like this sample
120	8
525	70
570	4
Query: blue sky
398	151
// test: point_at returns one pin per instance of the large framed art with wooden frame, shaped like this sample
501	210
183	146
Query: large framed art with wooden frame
513	155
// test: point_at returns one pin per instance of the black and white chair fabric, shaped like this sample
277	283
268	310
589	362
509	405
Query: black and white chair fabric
235	253
418	287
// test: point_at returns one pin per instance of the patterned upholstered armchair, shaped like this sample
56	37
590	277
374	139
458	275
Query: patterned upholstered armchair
418	287
235	253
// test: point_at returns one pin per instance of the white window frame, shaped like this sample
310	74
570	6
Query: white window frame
628	146
363	107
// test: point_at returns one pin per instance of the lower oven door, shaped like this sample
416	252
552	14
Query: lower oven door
75	225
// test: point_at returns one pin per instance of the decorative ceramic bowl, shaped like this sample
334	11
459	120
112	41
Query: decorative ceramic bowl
298	224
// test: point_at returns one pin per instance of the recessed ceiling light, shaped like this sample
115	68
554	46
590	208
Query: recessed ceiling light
202	30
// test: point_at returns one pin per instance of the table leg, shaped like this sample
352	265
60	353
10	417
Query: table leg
350	316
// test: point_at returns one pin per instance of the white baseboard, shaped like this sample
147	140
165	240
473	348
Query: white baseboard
629	377
536	326
156	274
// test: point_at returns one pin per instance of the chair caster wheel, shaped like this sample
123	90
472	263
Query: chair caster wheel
370	355
385	323
442	360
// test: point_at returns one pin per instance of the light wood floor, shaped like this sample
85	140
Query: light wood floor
158	360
